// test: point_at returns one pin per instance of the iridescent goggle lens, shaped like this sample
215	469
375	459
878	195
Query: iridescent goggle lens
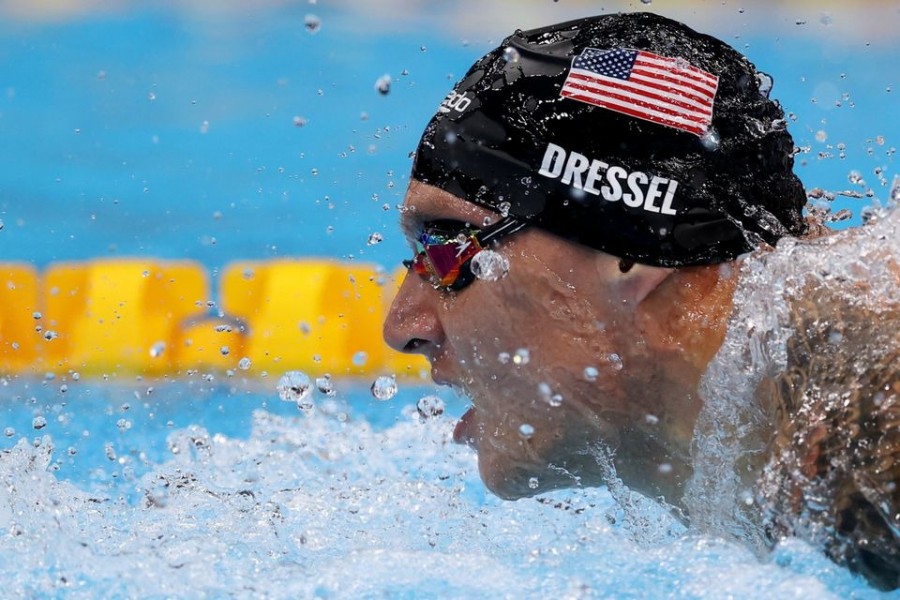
444	254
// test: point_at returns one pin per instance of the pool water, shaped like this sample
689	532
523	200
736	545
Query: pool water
204	492
252	131
237	134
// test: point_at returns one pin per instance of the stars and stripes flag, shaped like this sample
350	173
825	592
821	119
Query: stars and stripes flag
668	91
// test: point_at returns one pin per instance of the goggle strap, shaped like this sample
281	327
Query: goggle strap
503	227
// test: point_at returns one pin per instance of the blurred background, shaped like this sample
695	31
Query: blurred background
228	130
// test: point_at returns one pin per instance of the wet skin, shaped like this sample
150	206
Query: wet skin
572	308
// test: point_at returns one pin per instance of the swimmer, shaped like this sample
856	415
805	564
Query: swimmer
579	210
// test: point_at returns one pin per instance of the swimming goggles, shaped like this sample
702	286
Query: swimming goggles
444	251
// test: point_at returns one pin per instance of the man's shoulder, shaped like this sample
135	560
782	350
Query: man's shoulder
833	474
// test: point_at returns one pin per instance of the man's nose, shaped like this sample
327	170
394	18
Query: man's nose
412	324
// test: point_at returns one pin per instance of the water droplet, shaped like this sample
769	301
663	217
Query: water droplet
39	422
615	361
821	135
526	431
665	468
50	335
503	357
548	395
123	424
1	224
429	407
294	386
244	364
844	214
710	140
646	1
591	373
856	177
504	209
151	96
375	238
522	356
9	432
384	387
360	359
299	121
533	483
36	316
224	350
312	23
511	55
765	84
325	385
489	265
651	419
383	85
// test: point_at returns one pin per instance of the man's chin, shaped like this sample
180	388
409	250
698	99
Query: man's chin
511	477
515	483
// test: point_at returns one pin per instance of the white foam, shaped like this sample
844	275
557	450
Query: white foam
310	506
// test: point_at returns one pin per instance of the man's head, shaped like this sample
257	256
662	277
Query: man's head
629	133
594	156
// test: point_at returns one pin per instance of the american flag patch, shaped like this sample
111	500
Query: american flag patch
668	91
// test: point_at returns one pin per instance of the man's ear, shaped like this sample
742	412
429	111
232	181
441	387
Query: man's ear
638	281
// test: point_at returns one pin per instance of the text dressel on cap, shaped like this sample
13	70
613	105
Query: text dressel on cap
635	189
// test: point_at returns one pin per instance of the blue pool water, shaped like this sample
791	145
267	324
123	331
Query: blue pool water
207	492
216	134
171	132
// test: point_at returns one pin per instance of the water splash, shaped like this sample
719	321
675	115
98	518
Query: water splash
298	507
733	432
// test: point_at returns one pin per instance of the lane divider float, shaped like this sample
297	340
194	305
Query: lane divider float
151	317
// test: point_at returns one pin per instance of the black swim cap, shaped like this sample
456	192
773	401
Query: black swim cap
629	133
